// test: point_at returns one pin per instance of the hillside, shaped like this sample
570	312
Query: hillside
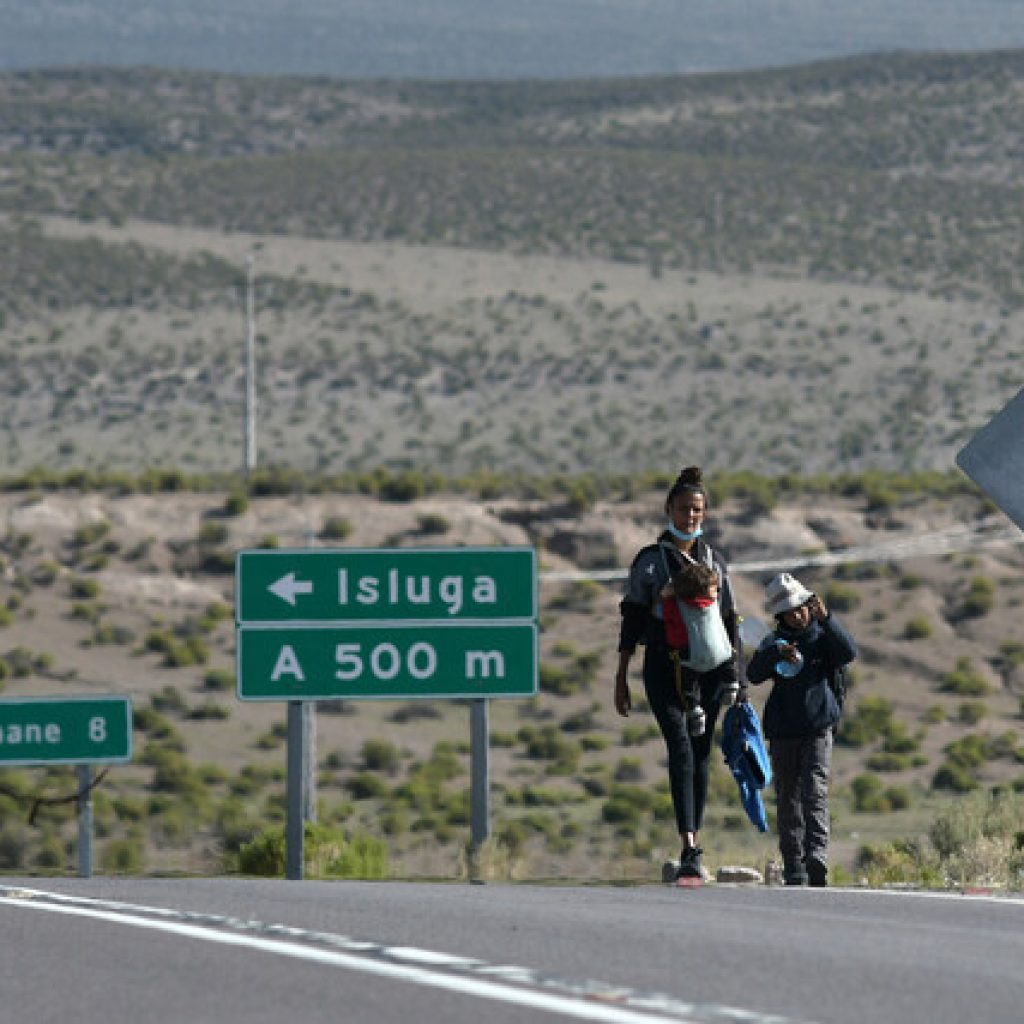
819	264
132	593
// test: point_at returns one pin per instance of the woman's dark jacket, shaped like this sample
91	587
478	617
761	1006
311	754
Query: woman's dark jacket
648	575
804	704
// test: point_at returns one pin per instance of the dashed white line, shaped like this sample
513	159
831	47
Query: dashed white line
517	986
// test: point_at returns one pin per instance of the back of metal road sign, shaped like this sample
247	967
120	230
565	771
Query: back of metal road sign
994	459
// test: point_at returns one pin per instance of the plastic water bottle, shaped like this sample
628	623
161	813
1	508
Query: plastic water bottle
788	669
695	720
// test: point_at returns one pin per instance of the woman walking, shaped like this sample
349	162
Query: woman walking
667	680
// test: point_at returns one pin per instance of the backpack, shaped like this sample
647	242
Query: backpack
839	684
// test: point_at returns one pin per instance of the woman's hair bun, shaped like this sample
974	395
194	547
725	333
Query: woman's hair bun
691	477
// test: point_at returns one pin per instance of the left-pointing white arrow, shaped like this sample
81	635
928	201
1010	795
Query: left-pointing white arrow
288	588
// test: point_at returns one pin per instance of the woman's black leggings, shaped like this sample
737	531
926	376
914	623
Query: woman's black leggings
688	756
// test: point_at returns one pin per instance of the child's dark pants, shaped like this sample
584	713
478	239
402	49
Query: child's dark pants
802	768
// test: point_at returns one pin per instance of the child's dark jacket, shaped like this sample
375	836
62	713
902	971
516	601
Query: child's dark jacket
804	704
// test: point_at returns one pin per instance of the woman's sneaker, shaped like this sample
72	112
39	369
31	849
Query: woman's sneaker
689	866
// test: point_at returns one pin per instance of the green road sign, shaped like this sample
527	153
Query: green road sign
65	730
340	585
387	661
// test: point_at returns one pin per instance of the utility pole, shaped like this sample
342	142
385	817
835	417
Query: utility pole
250	366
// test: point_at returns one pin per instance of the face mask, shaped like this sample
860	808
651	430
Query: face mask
679	535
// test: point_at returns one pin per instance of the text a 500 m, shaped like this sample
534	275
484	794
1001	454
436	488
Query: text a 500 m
387	661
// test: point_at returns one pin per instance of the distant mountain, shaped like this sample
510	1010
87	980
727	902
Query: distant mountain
471	39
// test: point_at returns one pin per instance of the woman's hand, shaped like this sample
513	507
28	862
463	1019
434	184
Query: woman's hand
623	700
817	608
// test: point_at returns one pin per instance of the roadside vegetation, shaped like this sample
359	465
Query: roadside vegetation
932	757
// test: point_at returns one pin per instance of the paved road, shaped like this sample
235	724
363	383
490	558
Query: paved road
212	951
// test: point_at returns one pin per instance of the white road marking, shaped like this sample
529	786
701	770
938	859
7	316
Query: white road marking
590	1000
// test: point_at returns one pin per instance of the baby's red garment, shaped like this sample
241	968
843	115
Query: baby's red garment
675	629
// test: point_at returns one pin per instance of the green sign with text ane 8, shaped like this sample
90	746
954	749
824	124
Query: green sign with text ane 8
72	730
340	585
387	661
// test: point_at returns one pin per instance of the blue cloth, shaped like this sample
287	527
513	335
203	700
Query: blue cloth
747	757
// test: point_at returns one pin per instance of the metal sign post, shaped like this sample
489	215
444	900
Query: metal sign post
480	772
84	821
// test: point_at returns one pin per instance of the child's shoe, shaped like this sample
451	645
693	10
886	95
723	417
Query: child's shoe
817	873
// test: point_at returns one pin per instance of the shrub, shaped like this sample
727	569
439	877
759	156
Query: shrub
869	794
168	698
367	786
432	524
211	534
13	847
917	628
637	735
89	534
971	712
219	679
123	857
549	744
335	528
902	861
885	762
621	810
964	681
83	589
873	717
263	855
576	596
381	756
235	504
362	856
841	597
210	711
954	777
980	598
629	769
979	838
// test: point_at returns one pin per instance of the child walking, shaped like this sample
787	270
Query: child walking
808	644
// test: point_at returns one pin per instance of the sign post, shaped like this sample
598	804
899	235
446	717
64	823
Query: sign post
83	731
384	624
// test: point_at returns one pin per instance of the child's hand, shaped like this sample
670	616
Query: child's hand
788	652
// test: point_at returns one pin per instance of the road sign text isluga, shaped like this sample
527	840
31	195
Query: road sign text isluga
316	624
385	584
